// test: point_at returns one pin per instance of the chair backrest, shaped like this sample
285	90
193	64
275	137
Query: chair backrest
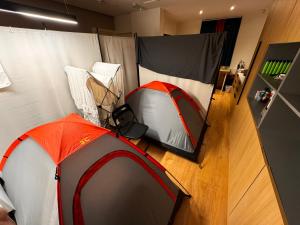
123	117
103	96
105	99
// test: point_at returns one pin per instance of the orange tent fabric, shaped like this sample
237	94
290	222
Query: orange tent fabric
59	146
157	85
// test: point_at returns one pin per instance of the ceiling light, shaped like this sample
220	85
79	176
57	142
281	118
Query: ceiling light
200	12
55	19
232	7
150	1
37	13
7	11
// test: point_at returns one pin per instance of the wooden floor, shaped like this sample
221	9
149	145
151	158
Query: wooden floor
207	183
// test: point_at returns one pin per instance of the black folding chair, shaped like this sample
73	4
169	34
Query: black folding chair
127	123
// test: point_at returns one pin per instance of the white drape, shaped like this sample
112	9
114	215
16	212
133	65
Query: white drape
81	95
4	80
121	50
199	91
35	60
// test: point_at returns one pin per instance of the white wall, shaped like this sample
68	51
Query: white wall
248	37
154	22
151	22
123	23
189	27
144	23
168	23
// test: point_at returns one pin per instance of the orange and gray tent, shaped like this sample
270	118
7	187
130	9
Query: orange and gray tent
173	117
73	172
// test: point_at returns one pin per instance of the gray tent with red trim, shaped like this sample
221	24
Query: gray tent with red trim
173	117
73	172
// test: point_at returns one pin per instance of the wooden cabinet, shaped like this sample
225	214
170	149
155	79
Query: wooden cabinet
258	205
278	125
222	79
237	86
252	195
245	156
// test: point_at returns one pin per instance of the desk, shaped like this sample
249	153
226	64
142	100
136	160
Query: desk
223	73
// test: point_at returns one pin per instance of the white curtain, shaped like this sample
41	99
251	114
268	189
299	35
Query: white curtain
34	60
201	92
121	50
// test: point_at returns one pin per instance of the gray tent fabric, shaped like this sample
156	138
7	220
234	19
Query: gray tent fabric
195	57
156	109
193	119
173	118
30	184
140	200
73	172
74	167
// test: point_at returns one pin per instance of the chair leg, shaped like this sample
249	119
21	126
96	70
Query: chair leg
148	145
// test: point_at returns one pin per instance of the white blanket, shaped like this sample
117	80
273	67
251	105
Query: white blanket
105	72
4	81
83	99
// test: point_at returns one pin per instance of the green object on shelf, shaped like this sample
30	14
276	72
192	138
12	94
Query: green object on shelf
272	68
273	72
265	66
284	66
269	68
279	67
287	67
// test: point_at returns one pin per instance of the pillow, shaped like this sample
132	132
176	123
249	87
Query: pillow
104	72
102	78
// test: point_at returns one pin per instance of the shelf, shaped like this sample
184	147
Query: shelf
291	87
256	106
273	83
280	137
284	51
293	102
256	109
279	127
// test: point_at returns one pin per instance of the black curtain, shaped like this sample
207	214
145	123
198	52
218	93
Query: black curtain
229	26
195	57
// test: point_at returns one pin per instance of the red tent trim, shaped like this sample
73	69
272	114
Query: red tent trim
77	209
156	85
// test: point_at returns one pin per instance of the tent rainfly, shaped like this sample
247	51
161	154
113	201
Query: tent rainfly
73	172
173	117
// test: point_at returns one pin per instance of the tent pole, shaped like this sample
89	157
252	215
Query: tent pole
98	38
137	58
186	192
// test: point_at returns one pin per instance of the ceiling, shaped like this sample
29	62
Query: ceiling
181	10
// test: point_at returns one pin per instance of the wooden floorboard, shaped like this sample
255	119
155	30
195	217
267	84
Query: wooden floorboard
206	182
